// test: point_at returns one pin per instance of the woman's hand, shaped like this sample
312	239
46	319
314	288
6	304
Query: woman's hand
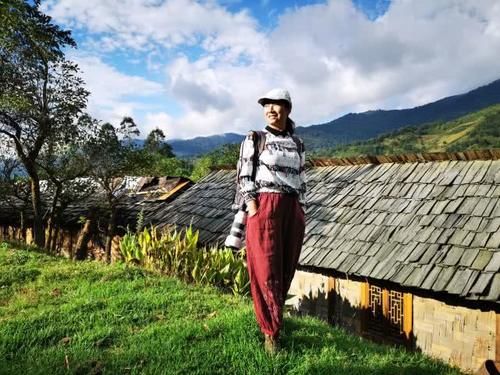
252	207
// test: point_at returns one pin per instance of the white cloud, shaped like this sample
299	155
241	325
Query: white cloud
113	94
331	57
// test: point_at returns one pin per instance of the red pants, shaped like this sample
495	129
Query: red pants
274	238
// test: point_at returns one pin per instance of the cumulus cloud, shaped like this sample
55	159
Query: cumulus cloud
113	94
331	56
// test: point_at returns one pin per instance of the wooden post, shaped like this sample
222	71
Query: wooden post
365	303
408	316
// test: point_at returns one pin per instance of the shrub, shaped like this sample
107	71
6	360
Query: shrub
177	253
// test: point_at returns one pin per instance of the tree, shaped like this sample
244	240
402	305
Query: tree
14	188
40	91
226	155
109	162
129	129
63	163
155	143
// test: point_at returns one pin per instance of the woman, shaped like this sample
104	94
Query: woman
274	197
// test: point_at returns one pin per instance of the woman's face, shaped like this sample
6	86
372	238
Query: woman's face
276	113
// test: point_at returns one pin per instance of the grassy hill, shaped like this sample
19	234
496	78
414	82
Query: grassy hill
58	317
478	130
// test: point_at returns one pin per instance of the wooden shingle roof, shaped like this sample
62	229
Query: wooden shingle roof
428	225
206	205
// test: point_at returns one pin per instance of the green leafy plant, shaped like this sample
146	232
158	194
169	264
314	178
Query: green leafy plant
177	253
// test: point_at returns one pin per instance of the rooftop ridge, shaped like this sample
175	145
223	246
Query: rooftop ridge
420	157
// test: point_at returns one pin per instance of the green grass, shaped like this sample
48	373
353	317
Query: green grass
58	317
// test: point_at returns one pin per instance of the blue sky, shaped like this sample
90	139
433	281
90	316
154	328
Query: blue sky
196	68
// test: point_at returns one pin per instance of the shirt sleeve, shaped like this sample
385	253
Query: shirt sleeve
247	186
302	176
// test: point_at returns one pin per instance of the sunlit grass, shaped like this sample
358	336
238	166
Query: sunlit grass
58	316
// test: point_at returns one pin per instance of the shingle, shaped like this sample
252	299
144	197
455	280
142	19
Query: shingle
330	258
468	206
453	256
416	253
443	278
482	260
317	259
426	220
494	263
451	220
458	237
448	177
482	283
471	190
419	275
493	225
473	223
494	290
470	283
465	166
311	254
459	281
431	278
338	260
347	263
480	239
362	260
403	273
484	206
483	190
453	205
390	267
368	267
445	236
494	241
426	207
468	257
489	176
430	253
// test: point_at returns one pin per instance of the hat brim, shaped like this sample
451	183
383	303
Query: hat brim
263	101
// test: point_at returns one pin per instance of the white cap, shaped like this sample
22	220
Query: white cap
276	94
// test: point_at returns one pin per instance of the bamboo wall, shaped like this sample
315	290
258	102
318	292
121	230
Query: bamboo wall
462	336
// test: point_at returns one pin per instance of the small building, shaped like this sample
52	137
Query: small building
138	196
400	249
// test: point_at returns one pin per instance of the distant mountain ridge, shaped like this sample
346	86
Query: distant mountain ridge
361	126
202	145
475	131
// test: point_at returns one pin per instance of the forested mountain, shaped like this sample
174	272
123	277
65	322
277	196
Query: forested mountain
370	124
478	130
202	145
361	126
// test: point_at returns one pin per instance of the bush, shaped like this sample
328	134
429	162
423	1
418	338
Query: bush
177	253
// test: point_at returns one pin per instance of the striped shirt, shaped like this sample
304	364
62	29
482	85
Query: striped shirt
280	168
